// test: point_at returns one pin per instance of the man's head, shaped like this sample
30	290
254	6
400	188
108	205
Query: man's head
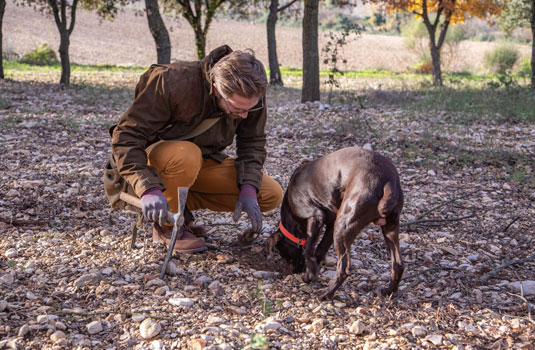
239	81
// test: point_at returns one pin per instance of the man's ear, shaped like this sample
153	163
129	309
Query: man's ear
272	242
214	89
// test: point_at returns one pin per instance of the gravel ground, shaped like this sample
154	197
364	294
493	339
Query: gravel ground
70	280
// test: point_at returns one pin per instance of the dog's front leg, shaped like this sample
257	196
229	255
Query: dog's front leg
313	231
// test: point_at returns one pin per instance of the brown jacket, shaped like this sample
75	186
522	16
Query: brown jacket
170	101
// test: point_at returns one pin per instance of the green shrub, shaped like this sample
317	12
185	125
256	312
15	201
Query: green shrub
416	38
42	55
501	59
524	68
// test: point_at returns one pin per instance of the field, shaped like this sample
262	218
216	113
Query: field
127	41
69	278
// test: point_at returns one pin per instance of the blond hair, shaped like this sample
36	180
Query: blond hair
240	73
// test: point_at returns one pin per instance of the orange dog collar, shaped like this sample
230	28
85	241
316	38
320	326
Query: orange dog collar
291	237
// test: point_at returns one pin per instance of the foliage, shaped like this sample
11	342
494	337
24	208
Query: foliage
516	14
42	55
524	68
501	59
333	52
258	341
415	38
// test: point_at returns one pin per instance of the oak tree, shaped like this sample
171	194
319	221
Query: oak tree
438	15
2	9
311	64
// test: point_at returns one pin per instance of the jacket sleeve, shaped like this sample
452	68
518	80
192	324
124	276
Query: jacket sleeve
251	148
149	112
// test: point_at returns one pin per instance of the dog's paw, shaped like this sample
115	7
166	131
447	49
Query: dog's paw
386	292
325	294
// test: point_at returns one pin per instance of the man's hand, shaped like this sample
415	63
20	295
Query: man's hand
154	205
247	201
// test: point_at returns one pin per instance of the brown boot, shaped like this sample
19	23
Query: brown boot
186	242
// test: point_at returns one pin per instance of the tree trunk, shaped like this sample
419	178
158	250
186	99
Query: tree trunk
64	57
159	31
437	71
200	42
311	71
275	77
533	45
2	9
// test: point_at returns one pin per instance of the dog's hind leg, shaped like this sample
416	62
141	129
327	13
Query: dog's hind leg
391	236
344	235
314	225
325	243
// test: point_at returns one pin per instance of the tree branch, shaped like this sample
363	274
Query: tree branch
284	7
436	220
73	16
505	265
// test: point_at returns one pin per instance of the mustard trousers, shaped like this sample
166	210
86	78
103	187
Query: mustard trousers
212	185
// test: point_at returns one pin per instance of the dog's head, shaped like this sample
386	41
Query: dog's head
290	251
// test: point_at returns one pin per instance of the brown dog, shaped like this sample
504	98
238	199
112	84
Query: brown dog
344	191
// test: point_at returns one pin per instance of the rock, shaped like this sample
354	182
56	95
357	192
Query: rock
431	173
435	339
268	324
196	344
203	279
478	296
94	327
156	345
161	290
57	336
30	296
11	253
120	318
138	318
155	282
419	331
215	320
358	327
527	287
466	327
24	330
214	285
181	301
149	328
88	279
317	325
171	270
107	271
7	279
45	318
3	305
60	325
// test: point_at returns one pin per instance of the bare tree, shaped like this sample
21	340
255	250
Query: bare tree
275	77
159	31
311	70
2	9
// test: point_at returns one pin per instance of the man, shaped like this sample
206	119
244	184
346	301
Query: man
183	116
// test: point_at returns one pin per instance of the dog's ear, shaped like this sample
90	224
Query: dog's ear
272	242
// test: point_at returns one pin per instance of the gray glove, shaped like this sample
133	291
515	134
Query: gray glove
154	205
247	201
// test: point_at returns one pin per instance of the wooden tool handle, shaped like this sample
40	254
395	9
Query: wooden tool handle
136	202
128	198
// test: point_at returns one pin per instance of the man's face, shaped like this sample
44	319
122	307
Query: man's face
238	107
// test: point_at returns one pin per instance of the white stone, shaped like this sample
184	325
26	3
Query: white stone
60	325
138	318
11	253
94	327
181	301
30	296
88	279
435	339
171	269
431	173
57	336
419	331
156	345
149	328
3	305
161	290
358	327
466	327
528	287
317	325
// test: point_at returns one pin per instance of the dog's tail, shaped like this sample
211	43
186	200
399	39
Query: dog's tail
387	203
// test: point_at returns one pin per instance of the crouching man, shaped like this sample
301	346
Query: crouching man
183	116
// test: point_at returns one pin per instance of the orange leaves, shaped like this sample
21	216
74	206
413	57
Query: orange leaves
460	10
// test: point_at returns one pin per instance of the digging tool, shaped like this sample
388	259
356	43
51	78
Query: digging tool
175	219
